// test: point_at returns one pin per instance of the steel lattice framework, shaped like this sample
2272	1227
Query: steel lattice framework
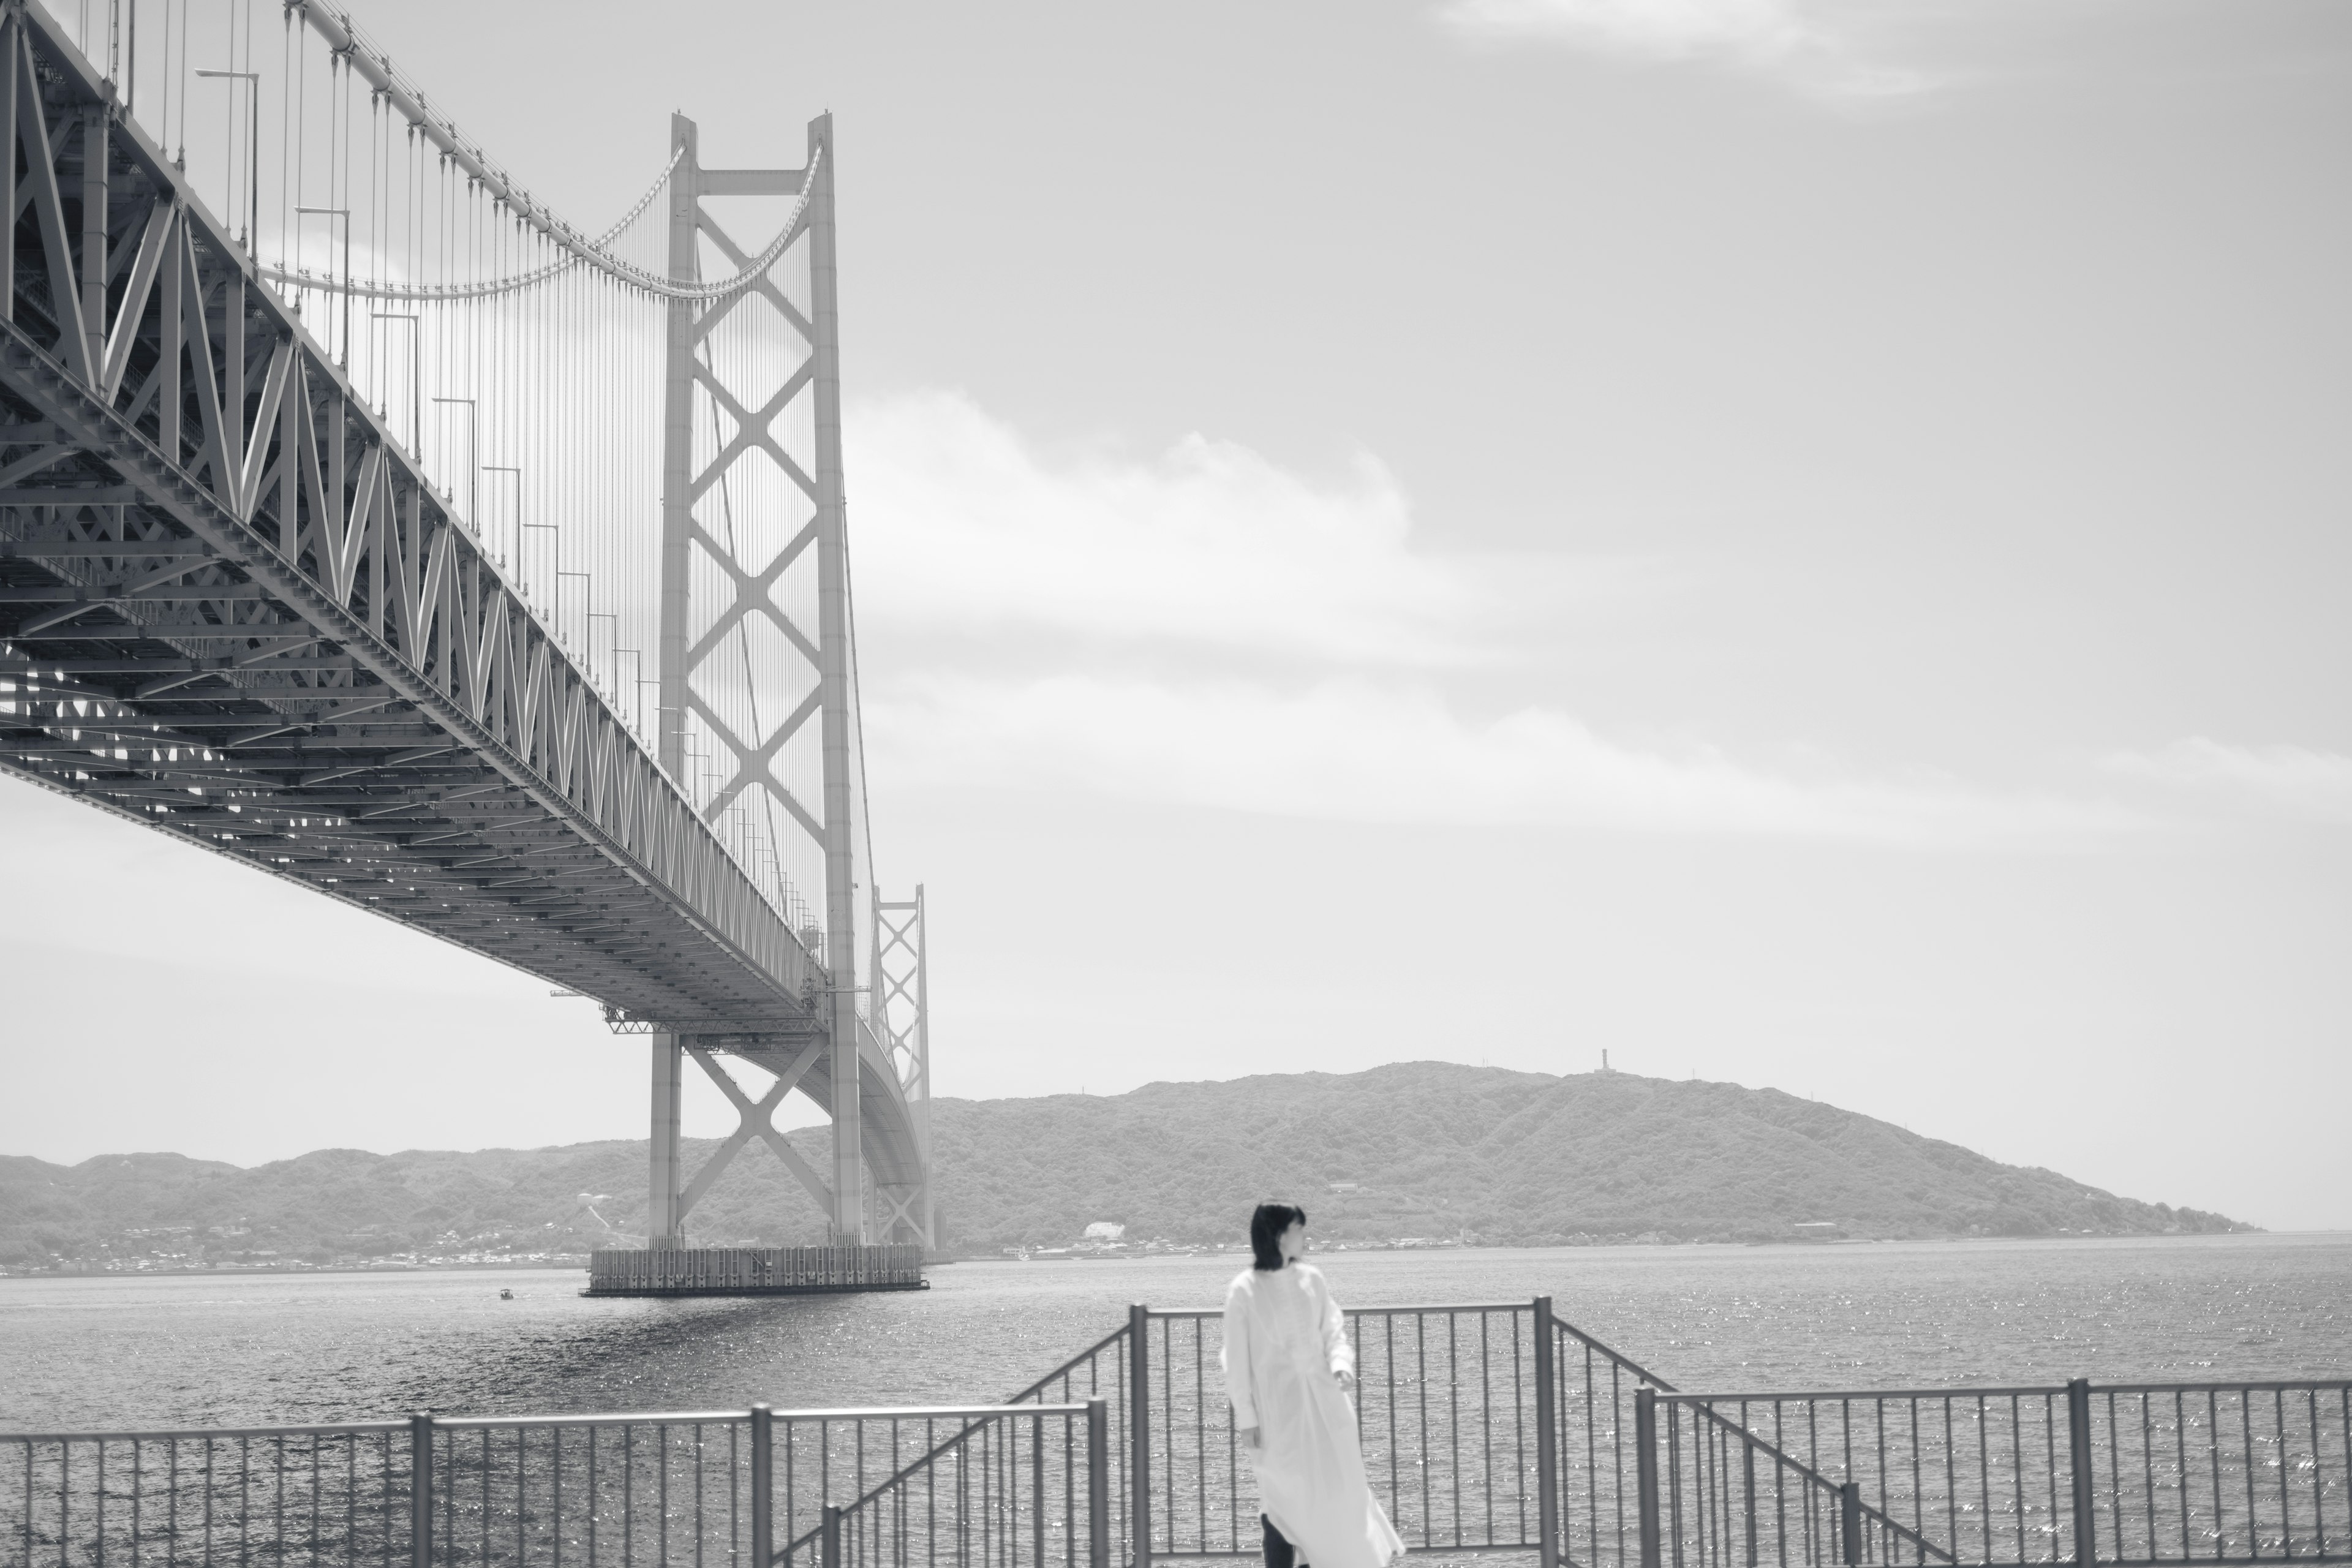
236	609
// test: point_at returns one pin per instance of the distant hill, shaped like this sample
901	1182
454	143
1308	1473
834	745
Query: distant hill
1425	1149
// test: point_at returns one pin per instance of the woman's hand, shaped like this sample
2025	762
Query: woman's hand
1249	1438
1347	1380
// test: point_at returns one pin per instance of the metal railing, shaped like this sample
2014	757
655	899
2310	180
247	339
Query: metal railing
2138	1474
1484	1428
1446	1407
975	1486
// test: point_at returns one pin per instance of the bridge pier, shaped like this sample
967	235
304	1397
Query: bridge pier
663	1226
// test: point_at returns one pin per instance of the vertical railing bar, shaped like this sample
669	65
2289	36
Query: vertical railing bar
1389	1332
2086	1479
1519	1429
1453	1417
1617	1439
1779	1489
1814	1445
2286	1508
1200	1428
2318	1471
1421	1380
1878	1416
2049	1443
1747	1484
2343	1446
1674	1480
1984	1485
1168	1422
2114	1475
698	1530
2214	1455
1646	1471
1711	1520
1546	1346
1845	1419
2180	1461
1139	1417
2246	1439
2017	1469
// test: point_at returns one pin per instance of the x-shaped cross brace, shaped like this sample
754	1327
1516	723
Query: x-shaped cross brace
756	1119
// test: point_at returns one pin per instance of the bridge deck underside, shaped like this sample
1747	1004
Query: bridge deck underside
266	743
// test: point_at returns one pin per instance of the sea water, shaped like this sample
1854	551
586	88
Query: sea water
116	1352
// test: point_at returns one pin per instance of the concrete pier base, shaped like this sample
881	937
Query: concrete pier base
754	1270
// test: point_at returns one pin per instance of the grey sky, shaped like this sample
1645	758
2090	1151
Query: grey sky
1802	543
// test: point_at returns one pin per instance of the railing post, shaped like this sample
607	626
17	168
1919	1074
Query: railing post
2078	1451
1747	1479
1138	1433
420	1491
1645	1469
1850	1524
829	1543
1098	1483
764	1485
1547	1441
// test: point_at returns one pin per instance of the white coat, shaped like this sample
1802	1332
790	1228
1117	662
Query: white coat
1284	1344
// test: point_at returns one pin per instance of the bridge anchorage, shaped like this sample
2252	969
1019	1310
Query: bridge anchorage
366	522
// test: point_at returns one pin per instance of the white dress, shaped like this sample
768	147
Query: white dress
1285	1341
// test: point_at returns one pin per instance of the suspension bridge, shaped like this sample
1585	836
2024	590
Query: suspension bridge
365	521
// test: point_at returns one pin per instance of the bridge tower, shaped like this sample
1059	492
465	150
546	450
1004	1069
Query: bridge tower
729	423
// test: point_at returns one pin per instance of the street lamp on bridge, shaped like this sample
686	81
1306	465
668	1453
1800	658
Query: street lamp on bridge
344	214
252	80
473	461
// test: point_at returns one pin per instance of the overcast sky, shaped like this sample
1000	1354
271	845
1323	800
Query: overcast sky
1803	544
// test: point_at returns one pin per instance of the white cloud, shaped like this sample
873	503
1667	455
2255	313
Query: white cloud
1808	43
1362	750
963	527
2289	781
1205	627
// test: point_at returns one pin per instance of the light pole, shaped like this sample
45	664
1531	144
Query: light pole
252	80
344	214
415	374
589	614
551	528
511	468
473	458
593	617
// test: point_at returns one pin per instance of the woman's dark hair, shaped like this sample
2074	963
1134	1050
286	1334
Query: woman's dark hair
1267	1226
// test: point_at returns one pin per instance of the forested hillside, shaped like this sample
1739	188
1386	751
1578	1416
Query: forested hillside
1423	1149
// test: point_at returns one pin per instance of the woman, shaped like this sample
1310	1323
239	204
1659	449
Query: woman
1288	1371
